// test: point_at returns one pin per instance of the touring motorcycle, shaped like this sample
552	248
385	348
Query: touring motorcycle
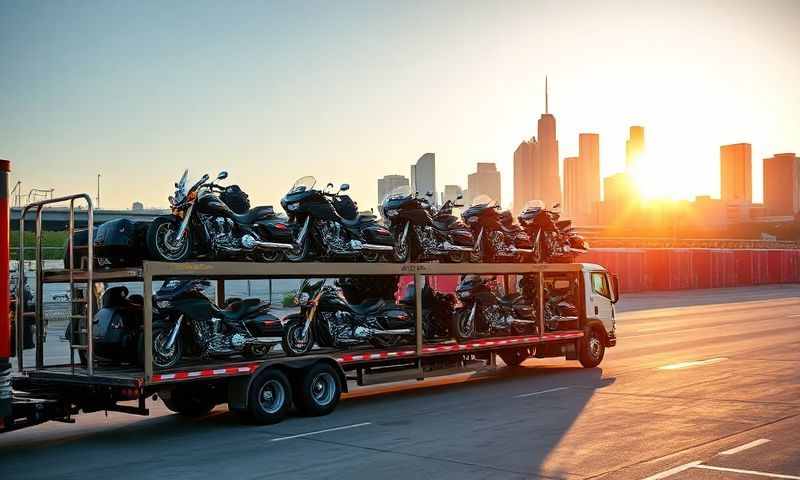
497	239
485	314
553	240
203	225
187	321
419	235
319	229
328	320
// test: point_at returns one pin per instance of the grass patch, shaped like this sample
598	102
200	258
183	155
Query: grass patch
52	242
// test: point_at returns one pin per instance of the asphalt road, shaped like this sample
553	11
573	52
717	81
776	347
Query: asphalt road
702	385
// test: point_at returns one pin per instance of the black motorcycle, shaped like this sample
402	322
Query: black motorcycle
421	235
553	240
497	239
118	328
202	224
328	320
437	310
560	311
485	314
322	232
187	321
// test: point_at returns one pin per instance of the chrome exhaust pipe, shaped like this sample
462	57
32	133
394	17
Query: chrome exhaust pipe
521	250
273	245
372	246
456	248
366	332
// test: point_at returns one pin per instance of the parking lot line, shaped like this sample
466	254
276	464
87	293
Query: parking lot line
673	471
345	427
541	392
746	472
741	448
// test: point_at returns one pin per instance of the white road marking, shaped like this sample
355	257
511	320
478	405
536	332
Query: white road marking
673	471
539	393
747	472
345	427
741	448
696	363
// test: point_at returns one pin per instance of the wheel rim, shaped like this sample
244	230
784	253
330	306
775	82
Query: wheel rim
595	347
323	388
163	356
297	343
401	250
271	396
270	256
465	326
166	243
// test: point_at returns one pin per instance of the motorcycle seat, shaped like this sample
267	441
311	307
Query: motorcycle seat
241	308
359	220
255	214
368	307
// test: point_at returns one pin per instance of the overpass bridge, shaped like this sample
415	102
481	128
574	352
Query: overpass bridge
56	218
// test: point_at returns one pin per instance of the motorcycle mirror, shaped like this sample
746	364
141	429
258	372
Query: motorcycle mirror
345	187
329	185
222	175
556	205
205	177
428	194
459	196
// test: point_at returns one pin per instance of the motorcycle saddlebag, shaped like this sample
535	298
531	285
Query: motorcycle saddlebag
462	238
277	231
378	235
121	243
80	240
395	318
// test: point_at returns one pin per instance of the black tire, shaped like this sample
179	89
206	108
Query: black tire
159	242
190	402
291	341
514	357
318	391
401	253
299	253
460	327
592	348
269	397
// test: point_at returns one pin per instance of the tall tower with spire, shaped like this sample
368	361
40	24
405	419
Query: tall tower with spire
546	158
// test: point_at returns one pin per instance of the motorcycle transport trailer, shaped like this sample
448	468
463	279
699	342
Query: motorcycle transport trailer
265	389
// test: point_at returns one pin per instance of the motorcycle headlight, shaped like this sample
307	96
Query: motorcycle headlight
163	304
527	222
293	206
464	294
303	298
392	212
472	219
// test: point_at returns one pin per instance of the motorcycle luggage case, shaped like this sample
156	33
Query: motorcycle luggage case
378	235
394	319
264	325
277	231
80	240
121	243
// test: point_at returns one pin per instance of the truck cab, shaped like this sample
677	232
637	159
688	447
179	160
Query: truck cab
601	293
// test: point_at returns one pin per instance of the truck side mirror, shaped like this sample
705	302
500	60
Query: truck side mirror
615	288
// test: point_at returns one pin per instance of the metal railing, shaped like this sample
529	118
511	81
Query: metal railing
39	265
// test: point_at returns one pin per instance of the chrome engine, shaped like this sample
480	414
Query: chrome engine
213	342
334	238
220	231
427	239
500	243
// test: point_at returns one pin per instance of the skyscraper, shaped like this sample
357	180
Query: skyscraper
782	184
736	172
589	174
634	147
485	181
525	180
572	187
546	158
451	192
423	175
389	183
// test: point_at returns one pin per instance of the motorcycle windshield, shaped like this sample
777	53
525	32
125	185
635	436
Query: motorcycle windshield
534	204
483	200
303	184
399	193
180	186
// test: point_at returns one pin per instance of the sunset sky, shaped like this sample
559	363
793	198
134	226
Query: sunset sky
351	91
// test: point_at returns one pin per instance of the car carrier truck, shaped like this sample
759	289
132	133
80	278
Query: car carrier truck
265	390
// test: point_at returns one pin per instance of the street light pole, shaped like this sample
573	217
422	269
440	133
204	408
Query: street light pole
98	190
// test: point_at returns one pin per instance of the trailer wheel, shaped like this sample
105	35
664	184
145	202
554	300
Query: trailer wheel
514	357
592	348
318	391
190	402
269	397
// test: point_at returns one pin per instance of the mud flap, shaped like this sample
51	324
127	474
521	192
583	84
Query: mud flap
237	392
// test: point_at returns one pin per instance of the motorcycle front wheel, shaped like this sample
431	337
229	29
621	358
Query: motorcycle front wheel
163	244
462	327
293	342
299	253
164	356
402	248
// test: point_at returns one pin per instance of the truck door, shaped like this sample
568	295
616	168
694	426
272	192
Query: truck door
599	303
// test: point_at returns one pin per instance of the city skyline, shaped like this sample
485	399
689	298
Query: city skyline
157	105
